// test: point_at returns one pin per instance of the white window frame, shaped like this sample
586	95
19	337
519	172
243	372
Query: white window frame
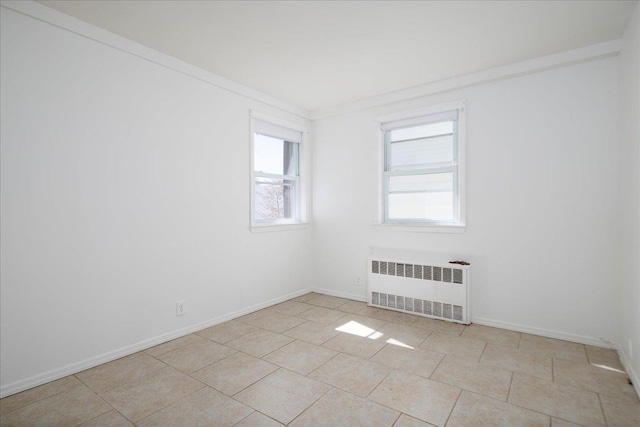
302	198
459	169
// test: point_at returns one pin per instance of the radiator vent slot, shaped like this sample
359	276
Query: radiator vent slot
457	275
424	289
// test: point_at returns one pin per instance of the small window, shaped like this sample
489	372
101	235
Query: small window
422	169
276	185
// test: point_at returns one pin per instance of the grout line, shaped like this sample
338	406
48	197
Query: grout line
602	409
378	385
444	355
510	384
313	403
519	341
454	406
553	373
397	419
482	354
170	404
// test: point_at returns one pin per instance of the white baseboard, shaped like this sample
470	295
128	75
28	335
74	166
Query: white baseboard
73	368
340	294
635	379
596	342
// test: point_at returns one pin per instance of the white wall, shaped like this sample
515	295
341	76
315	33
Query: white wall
629	255
541	201
125	187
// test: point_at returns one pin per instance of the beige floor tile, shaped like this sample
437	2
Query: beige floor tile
110	419
470	375
394	316
173	344
604	357
283	395
301	357
416	361
258	314
205	407
312	332
260	343
19	400
491	335
407	421
594	378
327	301
322	315
71	407
234	373
621	412
277	322
419	397
557	422
357	324
438	325
550	347
476	410
398	334
351	374
257	419
114	374
357	307
196	356
227	331
146	395
355	345
558	400
517	361
337	408
306	297
291	307
456	346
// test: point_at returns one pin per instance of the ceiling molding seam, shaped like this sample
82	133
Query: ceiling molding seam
563	59
65	22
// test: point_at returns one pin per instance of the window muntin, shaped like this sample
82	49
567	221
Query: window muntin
276	174
421	169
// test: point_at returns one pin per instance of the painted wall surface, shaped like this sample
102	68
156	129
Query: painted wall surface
125	188
629	266
542	209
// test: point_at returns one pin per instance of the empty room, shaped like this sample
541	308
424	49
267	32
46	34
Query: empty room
320	213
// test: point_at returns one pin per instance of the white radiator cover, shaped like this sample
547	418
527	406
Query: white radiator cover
429	289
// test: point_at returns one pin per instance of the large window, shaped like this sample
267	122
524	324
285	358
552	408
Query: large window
422	169
276	164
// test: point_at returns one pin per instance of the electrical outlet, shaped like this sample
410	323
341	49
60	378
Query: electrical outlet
358	281
181	308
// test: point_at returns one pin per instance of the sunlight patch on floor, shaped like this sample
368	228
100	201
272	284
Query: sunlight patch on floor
354	328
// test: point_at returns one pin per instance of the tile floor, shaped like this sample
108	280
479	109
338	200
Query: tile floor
319	360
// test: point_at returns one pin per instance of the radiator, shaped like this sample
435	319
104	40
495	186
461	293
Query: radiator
429	289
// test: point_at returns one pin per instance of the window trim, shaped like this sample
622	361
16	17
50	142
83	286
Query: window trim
302	189
459	224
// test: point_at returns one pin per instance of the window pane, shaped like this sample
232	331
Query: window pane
275	198
423	197
275	156
432	129
420	152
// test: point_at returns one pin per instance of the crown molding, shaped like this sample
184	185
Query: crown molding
63	21
571	57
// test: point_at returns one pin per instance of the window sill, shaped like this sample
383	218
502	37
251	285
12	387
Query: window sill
268	228
422	228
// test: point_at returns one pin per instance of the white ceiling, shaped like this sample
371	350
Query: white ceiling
319	54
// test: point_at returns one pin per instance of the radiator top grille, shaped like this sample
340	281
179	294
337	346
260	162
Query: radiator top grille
414	271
